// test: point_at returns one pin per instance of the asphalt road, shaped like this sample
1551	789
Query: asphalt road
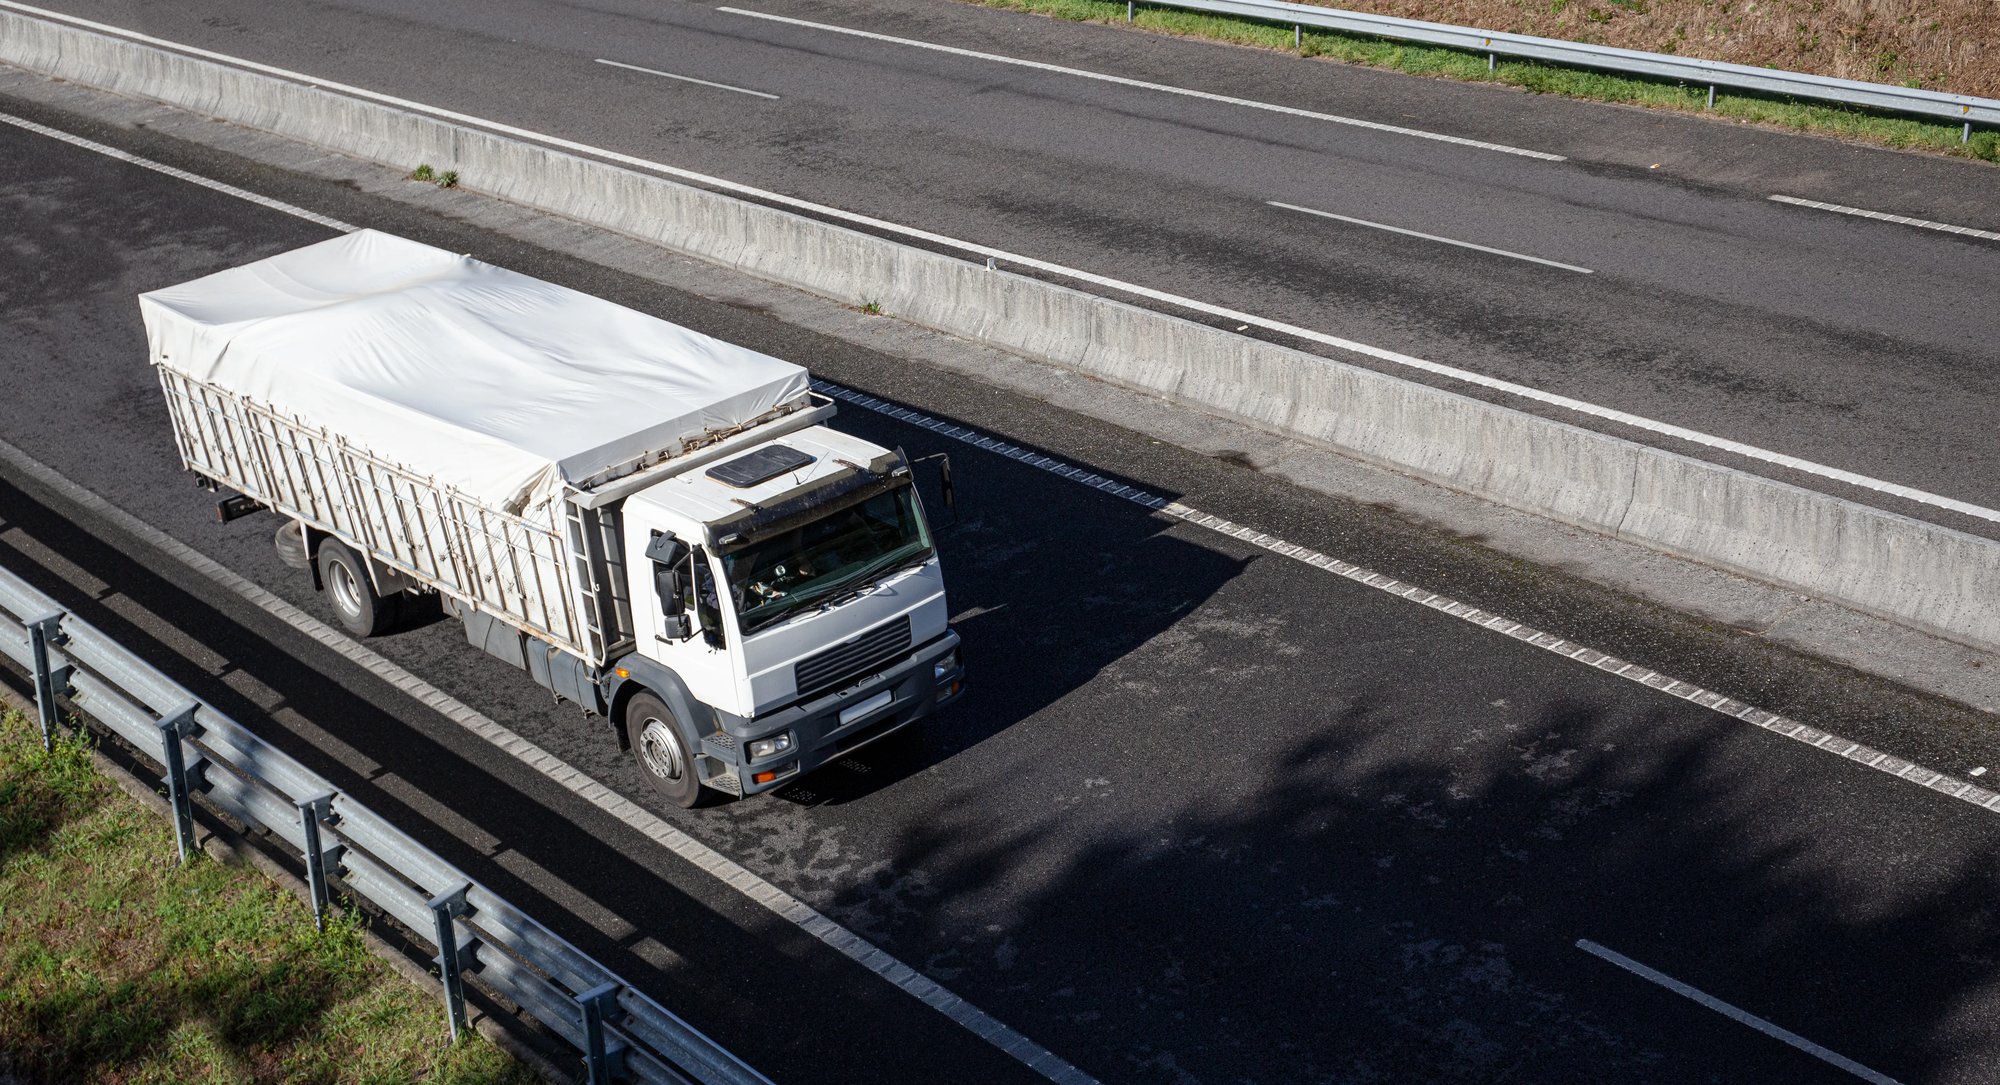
1207	815
1862	345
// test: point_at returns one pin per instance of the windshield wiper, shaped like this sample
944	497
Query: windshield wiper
867	578
847	587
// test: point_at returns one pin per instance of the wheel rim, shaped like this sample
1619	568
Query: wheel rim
346	593
659	751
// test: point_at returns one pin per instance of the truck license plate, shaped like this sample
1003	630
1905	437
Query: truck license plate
854	712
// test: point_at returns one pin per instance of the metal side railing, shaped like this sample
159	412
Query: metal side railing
1711	73
621	1034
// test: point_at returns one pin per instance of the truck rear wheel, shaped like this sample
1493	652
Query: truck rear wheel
662	753
361	611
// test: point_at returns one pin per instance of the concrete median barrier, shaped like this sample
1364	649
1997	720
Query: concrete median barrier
1927	576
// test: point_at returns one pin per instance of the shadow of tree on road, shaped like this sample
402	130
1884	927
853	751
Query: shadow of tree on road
1368	909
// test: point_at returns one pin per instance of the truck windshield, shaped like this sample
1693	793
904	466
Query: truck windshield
844	550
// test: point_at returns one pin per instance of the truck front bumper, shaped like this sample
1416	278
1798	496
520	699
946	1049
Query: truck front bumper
836	724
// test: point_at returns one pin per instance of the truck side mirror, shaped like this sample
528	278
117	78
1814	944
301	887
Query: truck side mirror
945	488
667	585
666	549
668	554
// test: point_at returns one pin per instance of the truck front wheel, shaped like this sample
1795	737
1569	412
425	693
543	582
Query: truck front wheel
361	611
662	754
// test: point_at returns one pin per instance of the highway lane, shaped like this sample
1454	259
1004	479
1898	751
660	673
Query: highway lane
1210	813
1857	344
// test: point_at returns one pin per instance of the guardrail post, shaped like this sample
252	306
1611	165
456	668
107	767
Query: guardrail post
1128	10
50	682
1966	135
1298	36
1711	96
175	726
312	810
447	907
600	1004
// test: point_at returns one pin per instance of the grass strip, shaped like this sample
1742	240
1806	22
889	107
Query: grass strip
1444	63
118	965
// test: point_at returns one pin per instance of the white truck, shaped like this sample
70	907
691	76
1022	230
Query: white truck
653	524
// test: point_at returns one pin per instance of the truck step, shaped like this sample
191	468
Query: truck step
728	784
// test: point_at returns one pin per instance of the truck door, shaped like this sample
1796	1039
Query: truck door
679	617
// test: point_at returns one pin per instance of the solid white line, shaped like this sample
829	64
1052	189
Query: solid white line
1143	85
1731	1012
1589	657
1884	216
1428	237
177	174
703	858
686	79
1665	429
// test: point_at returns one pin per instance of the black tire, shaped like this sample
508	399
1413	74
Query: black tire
661	751
290	542
350	592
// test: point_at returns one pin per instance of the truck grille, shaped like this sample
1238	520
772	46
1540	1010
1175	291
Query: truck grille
844	663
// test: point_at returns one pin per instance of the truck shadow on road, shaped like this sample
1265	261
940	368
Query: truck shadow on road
1051	583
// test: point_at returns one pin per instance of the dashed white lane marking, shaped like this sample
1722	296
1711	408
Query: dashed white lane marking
1589	657
1884	216
704	858
686	79
1247	320
177	174
1429	237
1734	1014
1163	88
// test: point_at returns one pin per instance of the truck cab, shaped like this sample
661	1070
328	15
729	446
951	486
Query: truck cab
787	608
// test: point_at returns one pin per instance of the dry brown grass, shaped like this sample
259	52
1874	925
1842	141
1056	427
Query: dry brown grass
1623	20
1949	45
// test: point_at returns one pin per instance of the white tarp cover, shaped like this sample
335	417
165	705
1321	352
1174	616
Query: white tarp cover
498	384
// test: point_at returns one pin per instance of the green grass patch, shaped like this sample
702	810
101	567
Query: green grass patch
119	965
1440	62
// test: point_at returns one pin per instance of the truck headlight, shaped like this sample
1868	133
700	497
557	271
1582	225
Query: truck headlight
762	748
946	664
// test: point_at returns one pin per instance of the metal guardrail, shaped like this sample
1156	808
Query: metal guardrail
621	1034
1712	73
